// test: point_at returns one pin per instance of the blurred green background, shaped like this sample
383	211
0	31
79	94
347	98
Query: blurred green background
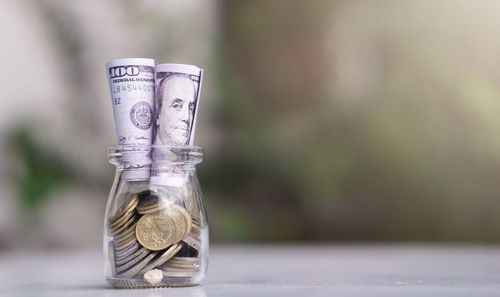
321	120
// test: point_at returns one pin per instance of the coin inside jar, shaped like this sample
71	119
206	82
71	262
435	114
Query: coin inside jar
125	210
159	230
152	203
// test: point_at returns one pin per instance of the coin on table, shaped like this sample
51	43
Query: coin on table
159	230
169	253
128	207
138	266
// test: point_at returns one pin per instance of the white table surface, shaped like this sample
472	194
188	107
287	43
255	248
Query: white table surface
306	271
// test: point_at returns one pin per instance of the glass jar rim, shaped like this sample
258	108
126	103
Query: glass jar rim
148	154
147	147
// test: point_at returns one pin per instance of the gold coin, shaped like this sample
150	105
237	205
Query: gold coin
150	203
132	220
187	219
196	230
120	221
156	208
130	206
159	230
125	233
125	244
192	205
140	253
138	266
169	253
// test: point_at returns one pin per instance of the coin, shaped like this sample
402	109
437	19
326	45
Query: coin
185	260
190	248
126	233
169	253
196	230
184	263
121	220
167	273
180	269
152	203
138	266
192	205
131	205
140	253
127	250
111	258
187	218
159	230
129	264
124	226
126	283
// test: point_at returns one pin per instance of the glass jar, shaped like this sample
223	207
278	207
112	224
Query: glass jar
155	229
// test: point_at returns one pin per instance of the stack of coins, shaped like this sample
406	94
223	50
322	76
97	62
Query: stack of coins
150	232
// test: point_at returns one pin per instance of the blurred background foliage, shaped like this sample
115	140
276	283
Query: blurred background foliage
321	120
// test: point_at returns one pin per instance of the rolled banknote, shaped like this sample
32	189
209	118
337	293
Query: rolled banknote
177	98
132	87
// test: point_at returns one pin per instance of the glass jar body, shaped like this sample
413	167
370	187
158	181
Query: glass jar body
156	230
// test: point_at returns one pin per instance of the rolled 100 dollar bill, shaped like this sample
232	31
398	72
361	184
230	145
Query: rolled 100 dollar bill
177	99
132	87
176	103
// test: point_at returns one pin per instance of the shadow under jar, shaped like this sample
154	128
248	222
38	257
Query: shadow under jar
155	230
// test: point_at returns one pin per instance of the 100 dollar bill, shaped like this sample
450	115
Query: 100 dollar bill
132	87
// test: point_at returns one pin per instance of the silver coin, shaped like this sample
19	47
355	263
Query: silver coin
111	258
167	273
128	250
124	244
140	253
138	266
129	284
192	241
181	269
129	264
169	253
